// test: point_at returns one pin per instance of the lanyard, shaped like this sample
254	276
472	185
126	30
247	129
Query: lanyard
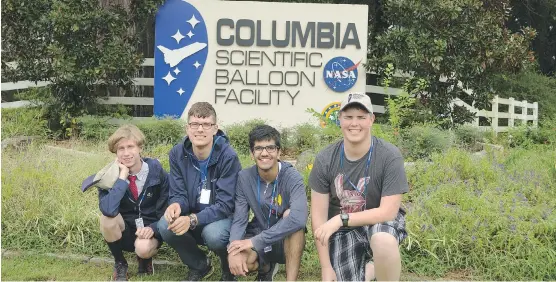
366	168
271	207
142	198
203	169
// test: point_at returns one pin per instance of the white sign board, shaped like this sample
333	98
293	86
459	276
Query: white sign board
258	59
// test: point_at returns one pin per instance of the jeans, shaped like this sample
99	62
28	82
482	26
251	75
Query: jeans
214	235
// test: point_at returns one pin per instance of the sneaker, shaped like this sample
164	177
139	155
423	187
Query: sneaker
145	266
227	276
198	275
120	272
269	275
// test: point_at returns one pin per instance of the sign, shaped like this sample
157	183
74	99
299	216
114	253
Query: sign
257	59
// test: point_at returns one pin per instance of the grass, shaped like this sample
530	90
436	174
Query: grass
488	218
45	268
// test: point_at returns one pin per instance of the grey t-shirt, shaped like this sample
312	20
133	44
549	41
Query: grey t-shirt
385	176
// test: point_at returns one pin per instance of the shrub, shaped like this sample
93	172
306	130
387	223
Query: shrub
162	131
306	137
239	134
157	131
468	136
27	121
421	141
95	128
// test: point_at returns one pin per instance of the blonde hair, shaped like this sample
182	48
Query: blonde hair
126	131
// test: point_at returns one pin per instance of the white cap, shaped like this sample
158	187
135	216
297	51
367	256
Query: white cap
359	98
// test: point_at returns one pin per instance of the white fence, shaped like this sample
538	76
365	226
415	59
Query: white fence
495	115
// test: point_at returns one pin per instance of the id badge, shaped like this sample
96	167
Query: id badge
139	223
268	249
205	196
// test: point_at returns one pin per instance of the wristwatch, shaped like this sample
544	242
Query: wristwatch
345	219
193	221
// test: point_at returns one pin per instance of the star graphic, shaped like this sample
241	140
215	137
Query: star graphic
180	91
196	64
178	36
177	71
169	78
190	34
193	21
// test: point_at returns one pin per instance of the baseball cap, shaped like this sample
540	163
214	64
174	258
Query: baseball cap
359	98
103	179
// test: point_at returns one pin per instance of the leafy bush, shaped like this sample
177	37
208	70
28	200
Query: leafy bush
239	134
162	131
23	122
468	136
95	128
306	137
421	141
157	131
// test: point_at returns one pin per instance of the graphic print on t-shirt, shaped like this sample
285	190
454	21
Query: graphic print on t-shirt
350	200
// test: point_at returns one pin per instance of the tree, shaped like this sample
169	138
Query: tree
463	42
81	47
540	15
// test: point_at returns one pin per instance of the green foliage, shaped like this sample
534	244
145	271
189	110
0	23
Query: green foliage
526	136
162	131
494	216
531	86
239	134
157	131
27	121
462	41
421	141
306	137
81	47
468	136
94	128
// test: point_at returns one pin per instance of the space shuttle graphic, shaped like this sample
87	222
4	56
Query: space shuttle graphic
174	57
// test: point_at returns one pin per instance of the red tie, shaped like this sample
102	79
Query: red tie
133	186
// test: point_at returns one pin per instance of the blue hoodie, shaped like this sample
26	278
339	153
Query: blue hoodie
185	178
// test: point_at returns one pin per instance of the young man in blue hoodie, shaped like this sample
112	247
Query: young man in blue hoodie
275	192
203	174
132	207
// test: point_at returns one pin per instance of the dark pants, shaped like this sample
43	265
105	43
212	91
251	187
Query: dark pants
215	236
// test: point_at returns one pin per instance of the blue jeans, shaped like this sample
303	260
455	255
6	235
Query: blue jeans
214	235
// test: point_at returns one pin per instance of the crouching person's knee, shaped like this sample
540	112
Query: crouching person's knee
146	248
111	228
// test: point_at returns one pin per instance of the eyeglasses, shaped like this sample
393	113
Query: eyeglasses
269	149
206	125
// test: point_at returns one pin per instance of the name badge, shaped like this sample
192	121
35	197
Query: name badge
139	223
205	196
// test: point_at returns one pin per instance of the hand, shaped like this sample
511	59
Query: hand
180	225
172	212
144	233
124	170
239	245
238	264
323	233
328	274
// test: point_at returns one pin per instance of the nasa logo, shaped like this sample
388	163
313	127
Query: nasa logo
340	74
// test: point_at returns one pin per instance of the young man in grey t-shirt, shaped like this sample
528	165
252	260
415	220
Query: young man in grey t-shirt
275	192
356	192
